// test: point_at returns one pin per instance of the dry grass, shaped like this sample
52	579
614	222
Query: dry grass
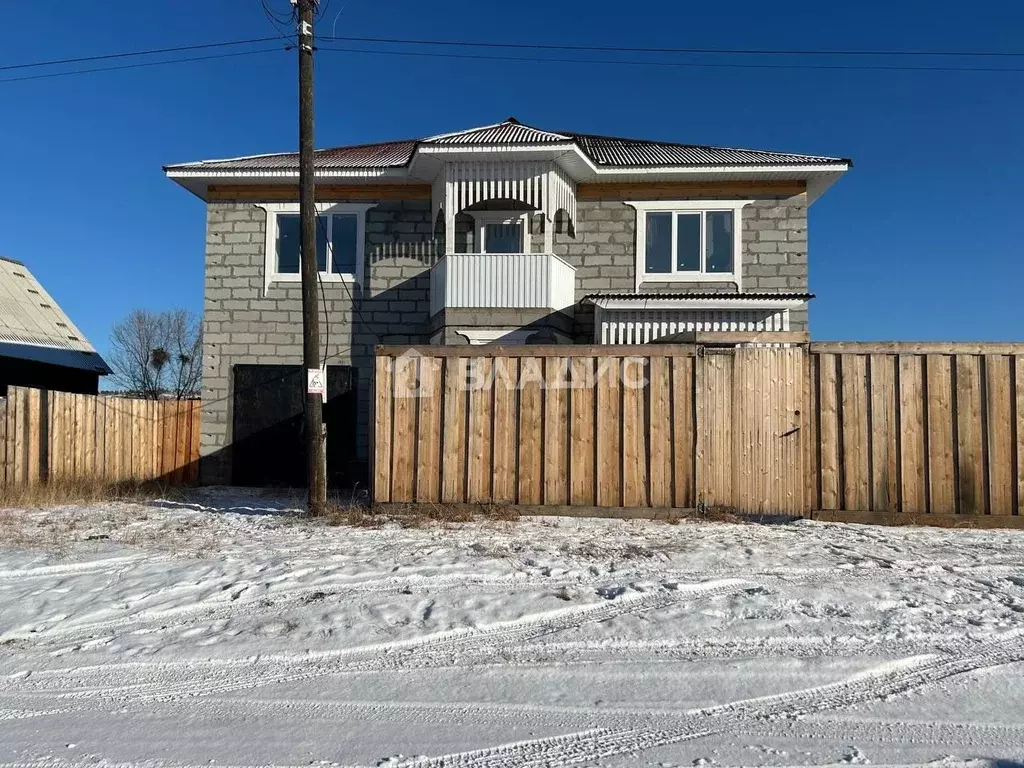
59	493
57	517
417	515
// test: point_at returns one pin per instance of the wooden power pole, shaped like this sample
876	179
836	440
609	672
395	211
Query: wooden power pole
315	444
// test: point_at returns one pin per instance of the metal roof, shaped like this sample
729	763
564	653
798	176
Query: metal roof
34	327
604	151
511	131
389	154
631	153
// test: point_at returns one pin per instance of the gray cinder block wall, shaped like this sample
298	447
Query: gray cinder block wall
243	324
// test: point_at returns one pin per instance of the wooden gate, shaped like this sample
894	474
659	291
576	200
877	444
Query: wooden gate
751	447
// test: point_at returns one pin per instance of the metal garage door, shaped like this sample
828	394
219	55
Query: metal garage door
267	448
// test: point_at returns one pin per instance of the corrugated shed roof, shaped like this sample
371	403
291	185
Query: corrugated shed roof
702	295
34	327
604	151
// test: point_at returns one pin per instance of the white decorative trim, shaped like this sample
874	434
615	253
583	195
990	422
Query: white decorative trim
643	207
270	273
726	302
480	336
645	326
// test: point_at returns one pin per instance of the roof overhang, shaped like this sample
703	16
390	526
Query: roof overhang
427	161
197	179
65	358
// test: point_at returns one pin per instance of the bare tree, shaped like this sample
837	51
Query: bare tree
158	354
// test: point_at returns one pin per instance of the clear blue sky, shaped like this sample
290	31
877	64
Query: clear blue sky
921	240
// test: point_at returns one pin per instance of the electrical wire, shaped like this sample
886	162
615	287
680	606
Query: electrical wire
275	20
139	65
684	64
129	54
629	49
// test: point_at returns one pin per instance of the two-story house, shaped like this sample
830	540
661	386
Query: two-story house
504	233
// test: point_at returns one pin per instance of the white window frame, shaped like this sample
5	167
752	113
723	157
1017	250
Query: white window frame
482	218
270	273
644	207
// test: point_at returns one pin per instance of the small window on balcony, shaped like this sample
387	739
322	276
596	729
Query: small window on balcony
502	231
503	237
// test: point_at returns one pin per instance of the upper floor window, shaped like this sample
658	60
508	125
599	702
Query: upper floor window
340	241
689	240
336	242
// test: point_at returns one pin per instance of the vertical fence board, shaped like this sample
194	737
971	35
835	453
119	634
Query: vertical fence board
856	445
969	435
556	431
913	459
999	426
582	450
634	432
660	454
478	481
383	392
1018	368
884	459
746	417
428	452
453	462
684	433
608	432
531	470
715	398
34	436
20	436
506	382
828	428
794	466
101	438
942	448
403	466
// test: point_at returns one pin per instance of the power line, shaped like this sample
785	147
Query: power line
129	54
139	65
701	64
624	49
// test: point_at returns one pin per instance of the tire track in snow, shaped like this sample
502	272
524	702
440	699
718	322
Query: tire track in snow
620	718
224	607
189	679
72	569
396	654
885	681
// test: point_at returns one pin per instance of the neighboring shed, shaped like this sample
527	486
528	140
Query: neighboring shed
39	345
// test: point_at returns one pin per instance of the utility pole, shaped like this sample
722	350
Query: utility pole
316	470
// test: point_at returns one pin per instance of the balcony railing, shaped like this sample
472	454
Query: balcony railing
502	280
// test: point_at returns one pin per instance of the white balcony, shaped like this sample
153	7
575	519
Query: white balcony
502	280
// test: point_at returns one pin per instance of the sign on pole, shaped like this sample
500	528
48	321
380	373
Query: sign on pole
316	382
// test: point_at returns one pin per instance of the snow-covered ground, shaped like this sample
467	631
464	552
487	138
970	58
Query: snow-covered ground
225	632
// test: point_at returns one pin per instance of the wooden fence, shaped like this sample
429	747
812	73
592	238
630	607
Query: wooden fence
860	432
925	432
63	436
611	427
